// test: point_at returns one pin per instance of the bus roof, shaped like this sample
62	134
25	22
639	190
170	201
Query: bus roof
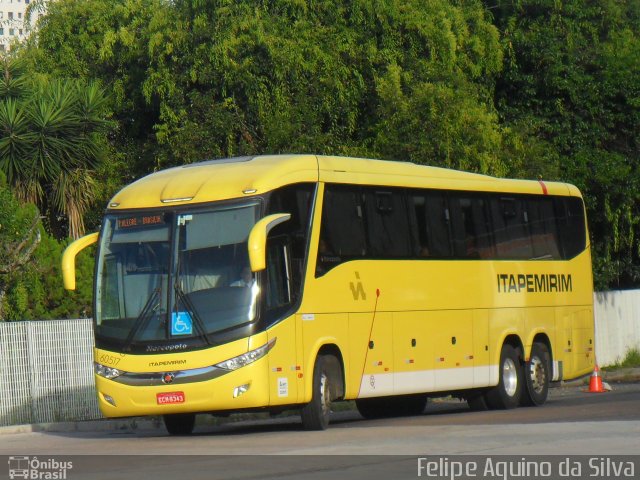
239	177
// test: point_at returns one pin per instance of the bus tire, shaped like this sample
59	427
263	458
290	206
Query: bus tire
537	373
315	414
179	423
508	392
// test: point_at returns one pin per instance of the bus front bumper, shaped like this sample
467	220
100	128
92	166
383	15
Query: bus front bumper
246	387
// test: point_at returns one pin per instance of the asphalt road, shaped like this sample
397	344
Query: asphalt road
571	423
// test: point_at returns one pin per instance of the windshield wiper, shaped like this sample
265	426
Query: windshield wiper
197	321
143	319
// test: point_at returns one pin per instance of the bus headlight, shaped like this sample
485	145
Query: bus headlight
247	358
106	372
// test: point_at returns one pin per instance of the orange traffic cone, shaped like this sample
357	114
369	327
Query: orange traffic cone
595	382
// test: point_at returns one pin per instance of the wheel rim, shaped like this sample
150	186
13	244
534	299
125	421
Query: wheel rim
325	397
509	377
537	374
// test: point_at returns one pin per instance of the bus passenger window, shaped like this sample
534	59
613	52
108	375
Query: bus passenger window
571	225
544	234
431	217
327	259
472	227
387	224
342	228
511	223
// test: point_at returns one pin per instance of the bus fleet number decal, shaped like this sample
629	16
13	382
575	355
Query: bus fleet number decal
105	359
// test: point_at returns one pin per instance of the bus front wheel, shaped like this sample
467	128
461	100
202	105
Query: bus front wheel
179	423
508	392
536	376
315	414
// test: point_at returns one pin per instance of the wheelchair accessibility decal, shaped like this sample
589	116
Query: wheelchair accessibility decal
181	323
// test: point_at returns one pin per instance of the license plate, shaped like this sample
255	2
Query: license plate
169	397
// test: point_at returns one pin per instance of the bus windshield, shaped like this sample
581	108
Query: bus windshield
174	277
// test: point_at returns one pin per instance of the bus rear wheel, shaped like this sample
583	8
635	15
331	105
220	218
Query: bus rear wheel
315	414
508	392
536	376
179	423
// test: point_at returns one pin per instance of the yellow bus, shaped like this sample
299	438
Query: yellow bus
276	282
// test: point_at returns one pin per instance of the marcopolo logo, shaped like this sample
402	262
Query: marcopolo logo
38	469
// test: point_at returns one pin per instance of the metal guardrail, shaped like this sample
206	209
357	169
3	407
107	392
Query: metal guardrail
46	372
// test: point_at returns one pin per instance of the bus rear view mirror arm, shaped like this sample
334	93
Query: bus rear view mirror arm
69	259
258	239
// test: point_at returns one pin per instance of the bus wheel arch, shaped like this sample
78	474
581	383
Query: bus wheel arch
537	372
327	385
509	390
337	371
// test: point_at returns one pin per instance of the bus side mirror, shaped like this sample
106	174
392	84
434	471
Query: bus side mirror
258	239
69	259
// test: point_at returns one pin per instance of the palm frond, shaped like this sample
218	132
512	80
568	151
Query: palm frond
16	141
29	190
72	195
13	82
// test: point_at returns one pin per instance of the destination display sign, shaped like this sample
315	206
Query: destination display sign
137	221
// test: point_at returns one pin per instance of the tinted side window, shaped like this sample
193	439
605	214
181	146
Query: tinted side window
342	233
471	226
510	221
296	200
544	232
277	292
387	224
432	219
571	225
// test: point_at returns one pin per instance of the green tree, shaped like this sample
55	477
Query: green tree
193	79
38	293
52	135
281	76
107	41
534	87
571	88
19	237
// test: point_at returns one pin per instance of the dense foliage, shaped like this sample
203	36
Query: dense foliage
572	79
508	87
52	137
30	287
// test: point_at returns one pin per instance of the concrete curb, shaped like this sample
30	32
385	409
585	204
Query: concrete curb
619	375
130	424
622	375
100	425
